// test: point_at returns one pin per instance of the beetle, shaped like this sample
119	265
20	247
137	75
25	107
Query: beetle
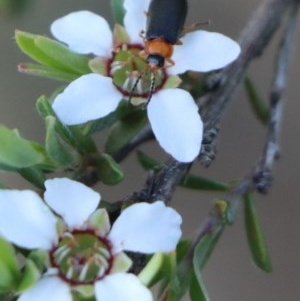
165	21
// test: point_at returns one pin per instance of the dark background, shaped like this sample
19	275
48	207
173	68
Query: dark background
230	274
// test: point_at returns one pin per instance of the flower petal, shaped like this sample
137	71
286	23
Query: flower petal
135	18
26	221
72	200
203	51
146	228
120	287
176	123
87	98
84	32
49	288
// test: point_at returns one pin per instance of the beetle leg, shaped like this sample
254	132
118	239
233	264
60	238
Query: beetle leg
193	27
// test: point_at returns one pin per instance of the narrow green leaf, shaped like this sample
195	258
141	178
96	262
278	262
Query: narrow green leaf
71	135
66	58
16	152
43	107
9	269
124	131
26	43
52	53
118	10
189	181
34	176
148	162
197	289
258	106
46	71
255	237
109	171
205	248
123	109
57	149
202	183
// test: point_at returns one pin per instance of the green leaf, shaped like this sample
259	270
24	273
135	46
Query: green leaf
71	135
46	71
123	109
34	176
118	10
66	58
9	269
202	183
197	289
257	104
124	131
205	247
30	276
189	181
58	150
26	42
109	171
148	162
16	152
51	53
255	237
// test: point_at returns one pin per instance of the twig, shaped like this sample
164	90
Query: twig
260	176
253	40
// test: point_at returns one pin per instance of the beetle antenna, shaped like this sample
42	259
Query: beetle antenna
152	87
135	85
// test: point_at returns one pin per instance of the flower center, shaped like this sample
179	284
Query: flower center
132	75
81	257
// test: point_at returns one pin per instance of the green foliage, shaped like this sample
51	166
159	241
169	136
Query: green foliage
257	104
123	131
52	54
9	269
255	237
189	181
17	152
118	10
109	171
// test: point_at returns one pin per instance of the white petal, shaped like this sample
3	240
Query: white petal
146	228
203	51
87	98
26	221
135	18
72	200
176	123
84	32
49	288
121	287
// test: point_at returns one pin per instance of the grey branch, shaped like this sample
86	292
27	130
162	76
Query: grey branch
253	39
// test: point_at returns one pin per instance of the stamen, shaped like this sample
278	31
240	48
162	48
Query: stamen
84	272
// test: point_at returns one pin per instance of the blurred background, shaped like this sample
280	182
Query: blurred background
230	274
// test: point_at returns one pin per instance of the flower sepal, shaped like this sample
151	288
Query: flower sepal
52	53
120	35
161	265
85	291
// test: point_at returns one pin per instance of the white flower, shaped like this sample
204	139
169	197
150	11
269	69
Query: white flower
86	251
172	113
